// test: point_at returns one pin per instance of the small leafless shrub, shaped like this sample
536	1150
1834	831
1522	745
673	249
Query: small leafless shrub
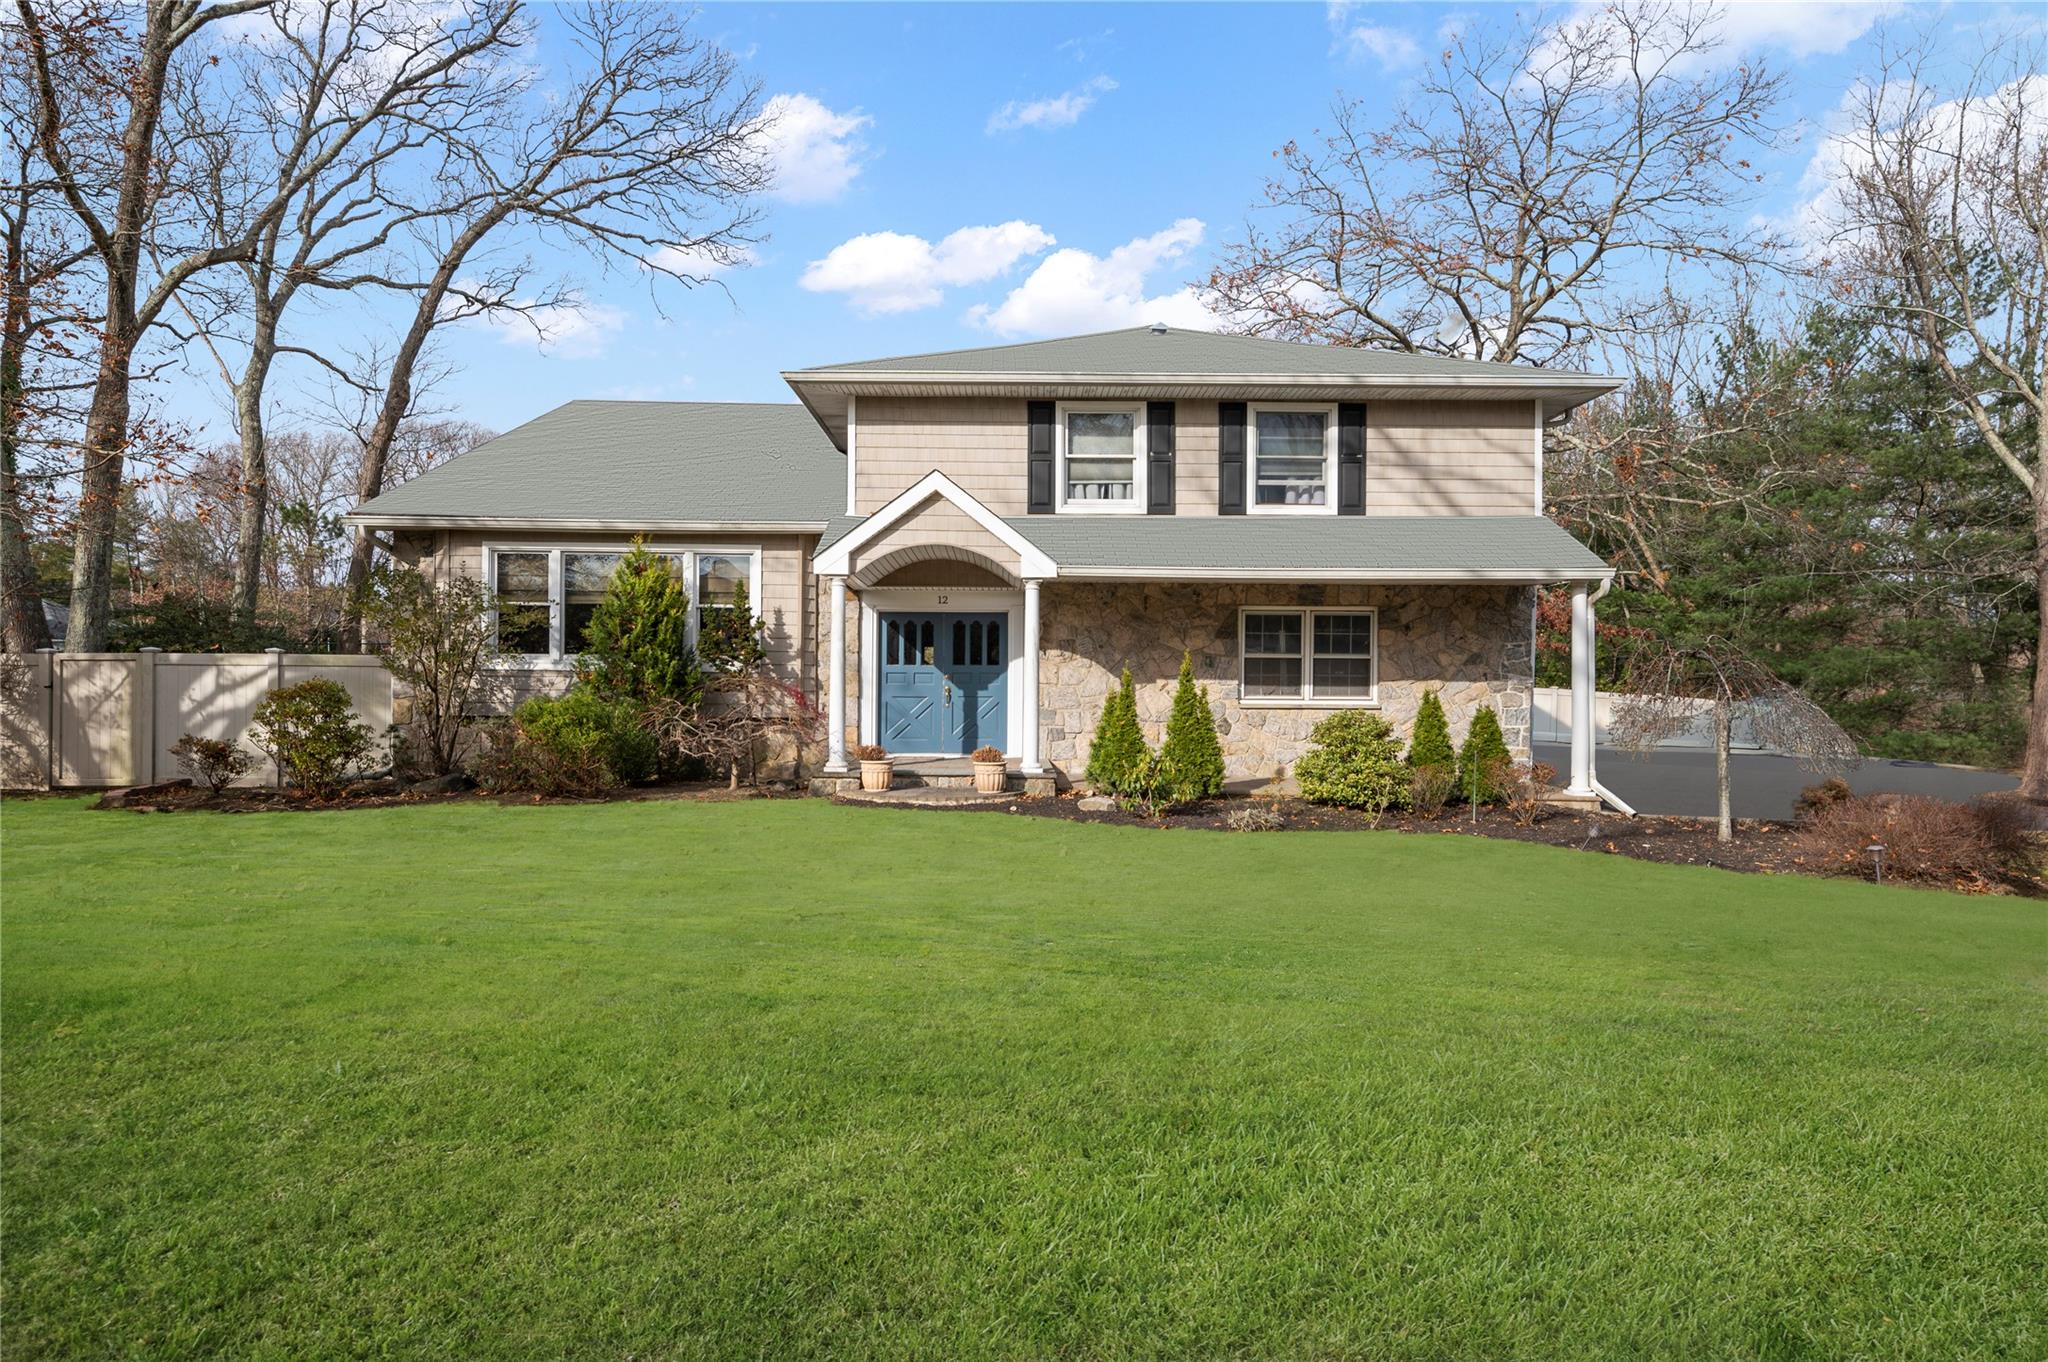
1254	818
1828	793
1523	786
738	713
1430	788
1925	840
212	762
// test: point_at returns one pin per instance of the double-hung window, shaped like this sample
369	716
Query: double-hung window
547	596
1292	451
1325	657
1101	449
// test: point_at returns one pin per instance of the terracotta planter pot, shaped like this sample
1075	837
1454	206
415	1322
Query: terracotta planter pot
990	777
877	775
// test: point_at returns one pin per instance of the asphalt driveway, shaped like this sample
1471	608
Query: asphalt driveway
1681	780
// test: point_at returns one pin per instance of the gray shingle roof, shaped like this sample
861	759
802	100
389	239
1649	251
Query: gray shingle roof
1140	350
1306	548
1313	545
650	463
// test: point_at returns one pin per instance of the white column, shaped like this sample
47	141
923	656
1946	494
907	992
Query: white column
835	705
1582	691
1028	758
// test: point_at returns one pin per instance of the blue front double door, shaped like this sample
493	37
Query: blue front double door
943	682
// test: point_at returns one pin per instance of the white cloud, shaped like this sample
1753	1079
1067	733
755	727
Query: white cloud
1060	111
1794	28
1393	49
897	272
814	152
568	330
1072	290
700	263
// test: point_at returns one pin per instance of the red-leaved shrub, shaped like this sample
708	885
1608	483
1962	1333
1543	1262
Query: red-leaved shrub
1925	840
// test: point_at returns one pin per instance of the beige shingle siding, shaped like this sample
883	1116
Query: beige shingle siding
936	521
1422	458
1450	458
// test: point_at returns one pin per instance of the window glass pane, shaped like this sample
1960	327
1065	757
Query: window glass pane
995	644
1348	635
587	574
960	643
1343	678
1272	676
1102	455
1275	633
719	576
1290	458
522	588
523	575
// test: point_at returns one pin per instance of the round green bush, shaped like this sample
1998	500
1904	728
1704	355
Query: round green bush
1355	764
584	724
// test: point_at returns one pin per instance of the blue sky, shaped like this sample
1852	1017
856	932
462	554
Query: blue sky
957	175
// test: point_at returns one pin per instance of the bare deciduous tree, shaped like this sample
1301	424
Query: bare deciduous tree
1528	171
649	153
1666	684
1941	214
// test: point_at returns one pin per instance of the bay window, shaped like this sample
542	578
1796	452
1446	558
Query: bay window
1101	456
1326	657
1292	451
547	596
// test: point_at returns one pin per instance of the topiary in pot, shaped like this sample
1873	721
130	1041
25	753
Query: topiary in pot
1117	756
1430	742
877	767
1190	758
991	773
1482	759
1355	763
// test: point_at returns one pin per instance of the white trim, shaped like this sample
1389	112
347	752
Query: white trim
853	455
557	658
837	561
1251	458
1538	508
835	737
1137	503
1559	380
1308	699
1006	601
534	525
1390	576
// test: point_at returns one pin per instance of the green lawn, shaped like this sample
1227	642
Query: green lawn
791	1080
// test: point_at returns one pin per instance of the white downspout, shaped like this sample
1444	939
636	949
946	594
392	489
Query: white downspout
1620	805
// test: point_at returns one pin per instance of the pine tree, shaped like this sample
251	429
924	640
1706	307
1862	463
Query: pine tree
1190	757
1430	744
637	646
729	636
1117	756
1482	757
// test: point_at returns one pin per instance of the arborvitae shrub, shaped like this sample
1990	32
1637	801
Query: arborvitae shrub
638	644
1117	756
1355	763
1430	744
729	637
1190	757
1482	759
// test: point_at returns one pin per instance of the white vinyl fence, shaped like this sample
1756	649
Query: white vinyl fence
86	720
1553	722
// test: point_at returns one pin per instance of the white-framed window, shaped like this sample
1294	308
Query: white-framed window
547	595
1293	457
1294	656
1101	449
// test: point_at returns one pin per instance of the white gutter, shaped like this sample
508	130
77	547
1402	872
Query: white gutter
1392	576
1620	805
490	522
1559	379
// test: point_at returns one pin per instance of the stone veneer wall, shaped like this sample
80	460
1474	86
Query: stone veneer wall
1473	644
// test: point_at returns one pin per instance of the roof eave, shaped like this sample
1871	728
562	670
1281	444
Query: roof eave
1386	576
388	520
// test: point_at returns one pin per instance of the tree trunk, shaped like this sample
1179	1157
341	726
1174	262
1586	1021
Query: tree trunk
25	627
2034	776
99	501
254	501
1723	720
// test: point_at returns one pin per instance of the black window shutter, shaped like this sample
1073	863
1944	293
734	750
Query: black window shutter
1039	448
1351	458
1230	458
1159	461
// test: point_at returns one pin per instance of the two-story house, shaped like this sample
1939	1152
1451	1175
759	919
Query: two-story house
967	548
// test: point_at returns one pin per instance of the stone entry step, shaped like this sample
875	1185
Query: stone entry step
926	797
940	773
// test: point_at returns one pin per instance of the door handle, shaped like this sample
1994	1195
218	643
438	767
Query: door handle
949	692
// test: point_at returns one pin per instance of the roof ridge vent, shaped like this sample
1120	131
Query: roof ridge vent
1159	328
